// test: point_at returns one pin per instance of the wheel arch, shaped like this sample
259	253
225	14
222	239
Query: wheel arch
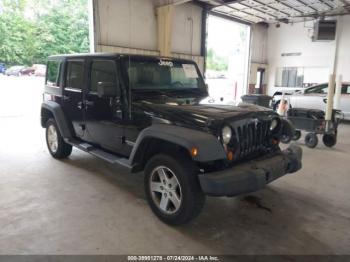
50	109
161	138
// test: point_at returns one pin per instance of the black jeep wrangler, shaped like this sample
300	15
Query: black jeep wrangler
154	115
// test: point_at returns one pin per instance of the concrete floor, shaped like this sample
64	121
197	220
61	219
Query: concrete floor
85	206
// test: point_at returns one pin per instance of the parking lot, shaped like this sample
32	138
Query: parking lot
85	206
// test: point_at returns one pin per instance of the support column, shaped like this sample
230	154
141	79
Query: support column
164	17
337	94
330	95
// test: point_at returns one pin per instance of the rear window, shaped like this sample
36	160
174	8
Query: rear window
53	68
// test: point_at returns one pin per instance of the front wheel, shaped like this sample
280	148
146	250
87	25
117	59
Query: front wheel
54	140
172	189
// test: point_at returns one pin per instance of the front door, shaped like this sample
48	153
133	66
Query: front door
104	116
73	94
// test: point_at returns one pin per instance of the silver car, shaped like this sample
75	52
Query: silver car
315	97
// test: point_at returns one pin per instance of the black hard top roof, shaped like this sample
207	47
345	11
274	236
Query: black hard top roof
83	55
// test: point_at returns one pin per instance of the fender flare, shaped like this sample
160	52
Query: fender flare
208	146
61	120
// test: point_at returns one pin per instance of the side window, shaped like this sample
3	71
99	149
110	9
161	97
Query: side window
345	90
103	71
75	74
53	68
321	89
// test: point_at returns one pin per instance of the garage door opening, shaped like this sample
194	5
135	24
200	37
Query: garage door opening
227	59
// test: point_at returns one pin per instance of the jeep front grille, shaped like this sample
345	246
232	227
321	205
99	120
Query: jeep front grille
251	137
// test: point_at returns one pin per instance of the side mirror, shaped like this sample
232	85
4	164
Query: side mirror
107	89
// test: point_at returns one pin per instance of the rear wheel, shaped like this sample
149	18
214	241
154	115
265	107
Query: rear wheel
172	189
54	140
329	140
311	140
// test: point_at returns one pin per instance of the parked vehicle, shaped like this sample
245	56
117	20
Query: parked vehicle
315	97
28	71
40	70
2	68
147	114
14	71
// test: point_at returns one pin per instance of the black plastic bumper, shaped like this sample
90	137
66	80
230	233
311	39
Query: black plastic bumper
253	175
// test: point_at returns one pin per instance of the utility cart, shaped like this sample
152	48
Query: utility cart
313	122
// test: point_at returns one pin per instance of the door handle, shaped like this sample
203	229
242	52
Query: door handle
325	100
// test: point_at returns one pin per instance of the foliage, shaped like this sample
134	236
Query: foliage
31	30
215	62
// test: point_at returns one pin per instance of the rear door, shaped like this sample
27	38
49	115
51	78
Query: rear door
104	116
73	94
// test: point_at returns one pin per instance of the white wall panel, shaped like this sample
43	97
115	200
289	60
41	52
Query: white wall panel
126	23
133	24
296	38
187	25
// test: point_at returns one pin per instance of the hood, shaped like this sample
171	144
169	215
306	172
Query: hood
194	114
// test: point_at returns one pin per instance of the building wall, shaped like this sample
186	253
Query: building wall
131	26
258	56
316	57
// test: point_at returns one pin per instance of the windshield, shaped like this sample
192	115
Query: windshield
163	75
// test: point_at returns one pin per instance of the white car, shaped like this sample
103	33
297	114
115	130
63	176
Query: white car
315	97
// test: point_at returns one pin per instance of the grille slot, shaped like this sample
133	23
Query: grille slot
251	136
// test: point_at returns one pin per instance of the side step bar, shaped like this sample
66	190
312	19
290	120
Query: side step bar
110	158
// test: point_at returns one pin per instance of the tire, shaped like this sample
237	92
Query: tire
297	135
180	195
329	140
311	140
54	141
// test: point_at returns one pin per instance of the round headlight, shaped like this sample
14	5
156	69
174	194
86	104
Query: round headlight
274	124
226	135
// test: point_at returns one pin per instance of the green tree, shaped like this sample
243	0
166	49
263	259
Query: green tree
31	30
63	29
215	62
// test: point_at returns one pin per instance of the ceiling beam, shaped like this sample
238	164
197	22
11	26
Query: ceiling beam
253	8
324	2
222	3
308	6
289	6
273	8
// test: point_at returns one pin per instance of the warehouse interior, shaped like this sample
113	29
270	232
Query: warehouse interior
84	206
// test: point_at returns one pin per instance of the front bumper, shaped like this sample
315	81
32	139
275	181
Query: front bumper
253	175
